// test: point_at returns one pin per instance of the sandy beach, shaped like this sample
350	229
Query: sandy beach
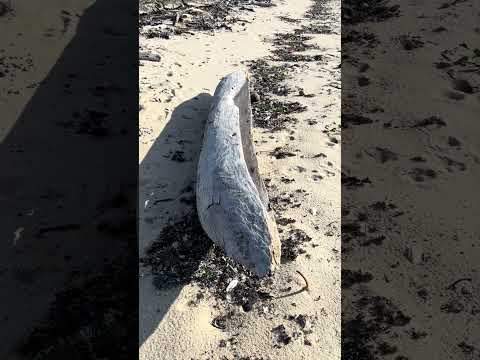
366	133
68	79
299	158
410	108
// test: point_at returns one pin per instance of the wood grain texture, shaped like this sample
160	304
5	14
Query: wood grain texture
232	202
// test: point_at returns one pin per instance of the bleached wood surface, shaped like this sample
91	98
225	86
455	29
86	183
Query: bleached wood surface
232	202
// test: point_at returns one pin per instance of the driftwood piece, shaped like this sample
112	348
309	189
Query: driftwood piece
148	56
232	202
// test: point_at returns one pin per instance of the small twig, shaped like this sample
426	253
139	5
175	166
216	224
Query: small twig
176	19
452	286
163	200
304	288
305	279
445	56
169	199
449	73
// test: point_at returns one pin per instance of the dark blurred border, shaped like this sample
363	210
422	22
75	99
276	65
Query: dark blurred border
68	191
410	109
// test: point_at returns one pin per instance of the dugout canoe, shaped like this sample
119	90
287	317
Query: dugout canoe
232	202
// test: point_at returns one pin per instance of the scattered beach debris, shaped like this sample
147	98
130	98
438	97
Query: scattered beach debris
4	8
149	56
432	120
410	42
84	319
292	244
268	112
231	285
354	12
281	153
165	18
281	334
351	277
17	235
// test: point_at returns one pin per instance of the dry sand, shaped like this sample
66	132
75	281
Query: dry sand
174	100
51	25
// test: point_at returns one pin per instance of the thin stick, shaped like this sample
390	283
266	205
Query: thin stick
452	286
304	288
305	279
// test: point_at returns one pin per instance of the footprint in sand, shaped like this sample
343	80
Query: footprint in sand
454	95
382	155
422	174
463	86
418	159
452	165
454	142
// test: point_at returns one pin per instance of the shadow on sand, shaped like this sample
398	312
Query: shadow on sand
167	180
68	189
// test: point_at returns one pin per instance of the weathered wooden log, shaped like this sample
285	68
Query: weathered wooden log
232	202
